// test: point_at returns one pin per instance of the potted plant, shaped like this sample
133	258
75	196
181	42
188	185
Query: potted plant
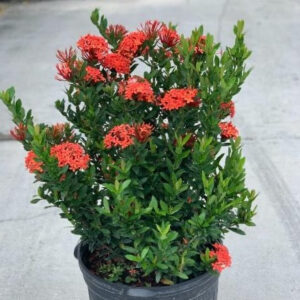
148	169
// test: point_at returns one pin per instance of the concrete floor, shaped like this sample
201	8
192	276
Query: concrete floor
36	261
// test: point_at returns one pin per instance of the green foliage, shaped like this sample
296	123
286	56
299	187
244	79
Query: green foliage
158	206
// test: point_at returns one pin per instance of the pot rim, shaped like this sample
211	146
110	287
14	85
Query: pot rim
201	280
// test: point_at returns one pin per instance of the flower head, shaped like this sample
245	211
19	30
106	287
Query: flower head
117	62
168	36
31	164
120	136
66	56
58	130
64	71
223	259
143	131
139	90
151	29
177	98
229	108
130	80
117	31
92	47
93	75
199	48
19	132
70	154
131	44
228	130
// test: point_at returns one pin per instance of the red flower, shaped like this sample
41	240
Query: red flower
196	103
116	31
151	29
143	131
121	87
58	129
62	177
92	47
66	60
199	48
139	90
121	135
31	164
19	132
93	74
228	107
228	130
64	71
70	154
177	98
117	62
223	259
66	56
168	53
123	83
191	141
131	43
168	36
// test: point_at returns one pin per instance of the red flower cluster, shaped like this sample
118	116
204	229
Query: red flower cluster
57	131
117	31
92	47
64	71
93	74
131	44
143	131
199	48
70	154
121	135
66	56
19	132
31	164
140	90
151	29
228	130
177	98
228	107
168	36
223	259
117	62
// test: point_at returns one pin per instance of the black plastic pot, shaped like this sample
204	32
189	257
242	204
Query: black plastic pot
204	287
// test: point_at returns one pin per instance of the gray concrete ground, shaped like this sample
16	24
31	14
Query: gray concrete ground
36	261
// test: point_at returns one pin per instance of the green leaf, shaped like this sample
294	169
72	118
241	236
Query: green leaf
106	206
132	258
144	252
181	275
129	249
167	281
35	200
157	276
95	16
237	230
164	206
124	185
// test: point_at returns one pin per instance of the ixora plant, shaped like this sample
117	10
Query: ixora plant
149	169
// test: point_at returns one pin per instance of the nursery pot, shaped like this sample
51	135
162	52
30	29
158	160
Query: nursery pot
203	287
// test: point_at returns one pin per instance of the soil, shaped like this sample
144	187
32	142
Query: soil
101	263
